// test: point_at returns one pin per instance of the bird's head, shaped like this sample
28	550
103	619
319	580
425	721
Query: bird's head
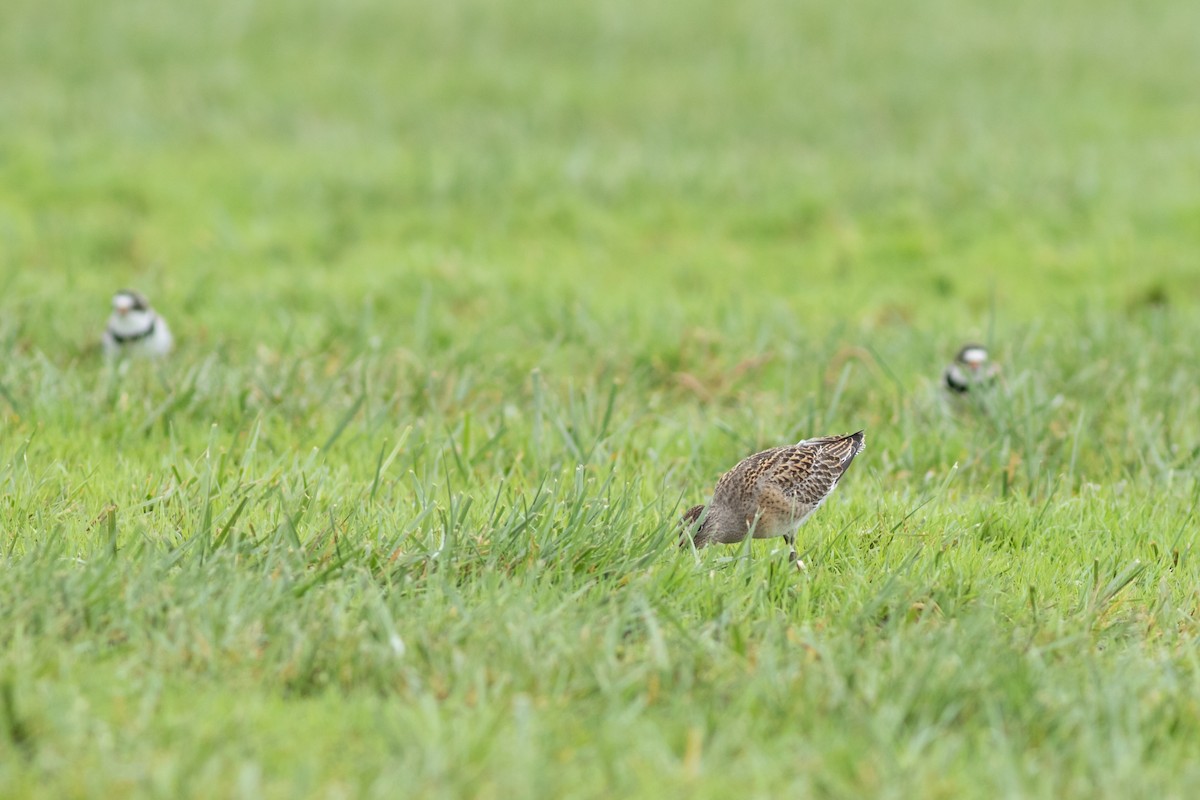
973	357
126	301
693	528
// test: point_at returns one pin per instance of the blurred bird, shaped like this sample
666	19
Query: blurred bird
772	492
134	328
971	368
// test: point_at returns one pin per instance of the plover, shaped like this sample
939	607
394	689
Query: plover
134	328
970	368
772	492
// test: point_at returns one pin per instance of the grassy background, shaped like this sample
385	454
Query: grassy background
472	297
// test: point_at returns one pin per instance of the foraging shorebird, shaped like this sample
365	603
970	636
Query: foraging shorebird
970	368
772	492
134	328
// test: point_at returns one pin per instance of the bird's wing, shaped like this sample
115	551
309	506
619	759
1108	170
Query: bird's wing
741	480
802	473
809	471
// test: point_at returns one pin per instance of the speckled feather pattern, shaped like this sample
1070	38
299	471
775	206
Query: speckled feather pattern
772	492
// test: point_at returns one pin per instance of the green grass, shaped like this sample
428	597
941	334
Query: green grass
473	298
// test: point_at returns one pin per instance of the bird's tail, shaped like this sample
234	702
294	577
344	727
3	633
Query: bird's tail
845	448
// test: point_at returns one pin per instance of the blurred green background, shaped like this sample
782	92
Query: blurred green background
850	162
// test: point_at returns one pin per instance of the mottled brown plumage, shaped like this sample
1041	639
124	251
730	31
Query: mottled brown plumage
772	492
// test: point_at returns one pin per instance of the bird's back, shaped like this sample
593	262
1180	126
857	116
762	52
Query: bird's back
788	482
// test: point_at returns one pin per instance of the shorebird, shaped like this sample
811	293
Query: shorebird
772	492
134	328
969	369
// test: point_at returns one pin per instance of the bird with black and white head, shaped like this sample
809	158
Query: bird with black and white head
971	369
134	328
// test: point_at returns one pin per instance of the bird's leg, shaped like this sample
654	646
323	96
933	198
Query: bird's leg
793	558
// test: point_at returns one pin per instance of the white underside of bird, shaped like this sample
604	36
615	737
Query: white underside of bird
137	333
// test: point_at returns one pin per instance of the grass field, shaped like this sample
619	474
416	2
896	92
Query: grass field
474	298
